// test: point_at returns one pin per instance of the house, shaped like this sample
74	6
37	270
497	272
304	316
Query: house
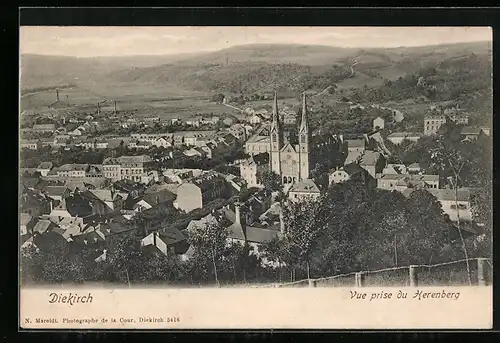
127	167
373	162
432	123
167	242
414	168
72	170
140	144
44	168
181	175
199	191
33	203
486	130
162	142
398	137
448	204
239	131
397	116
378	123
44	127
401	182
75	132
392	168
304	189
193	152
289	119
251	168
257	144
158	194
356	145
459	119
352	171
100	144
239	232
24	223
110	197
29	144
256	119
471	133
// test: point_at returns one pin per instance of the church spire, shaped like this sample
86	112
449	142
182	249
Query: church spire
276	116
275	123
303	123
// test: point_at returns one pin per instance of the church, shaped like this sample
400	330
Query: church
292	162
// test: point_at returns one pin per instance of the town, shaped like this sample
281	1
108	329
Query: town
256	165
163	182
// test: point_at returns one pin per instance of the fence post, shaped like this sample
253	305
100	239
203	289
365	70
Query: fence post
413	276
482	275
312	283
359	278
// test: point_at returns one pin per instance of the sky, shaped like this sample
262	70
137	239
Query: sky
88	41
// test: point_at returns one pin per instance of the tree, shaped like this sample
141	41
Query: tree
304	221
270	180
443	157
209	243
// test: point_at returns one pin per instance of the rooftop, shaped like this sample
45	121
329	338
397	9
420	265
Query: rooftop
468	130
404	134
73	167
134	159
305	186
355	143
369	158
45	165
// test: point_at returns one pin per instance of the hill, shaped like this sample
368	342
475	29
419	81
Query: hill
248	68
39	71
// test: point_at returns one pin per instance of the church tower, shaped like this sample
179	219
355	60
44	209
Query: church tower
276	134
304	138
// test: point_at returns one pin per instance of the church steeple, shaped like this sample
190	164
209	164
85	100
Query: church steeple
304	142
276	133
303	124
276	128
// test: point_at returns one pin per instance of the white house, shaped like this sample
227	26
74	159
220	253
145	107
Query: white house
378	123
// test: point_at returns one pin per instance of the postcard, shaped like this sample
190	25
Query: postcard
255	177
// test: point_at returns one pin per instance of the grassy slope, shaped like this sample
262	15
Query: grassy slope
138	79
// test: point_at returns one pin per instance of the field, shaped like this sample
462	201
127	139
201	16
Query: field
144	100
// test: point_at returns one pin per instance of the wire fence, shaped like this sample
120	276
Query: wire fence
452	273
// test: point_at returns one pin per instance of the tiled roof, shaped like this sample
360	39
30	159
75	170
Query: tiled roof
305	186
45	165
55	190
404	134
73	167
134	159
471	130
355	143
42	225
369	158
24	219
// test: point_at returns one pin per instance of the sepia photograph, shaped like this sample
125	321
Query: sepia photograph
254	158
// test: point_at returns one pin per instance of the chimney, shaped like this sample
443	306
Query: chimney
115	107
237	212
57	93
